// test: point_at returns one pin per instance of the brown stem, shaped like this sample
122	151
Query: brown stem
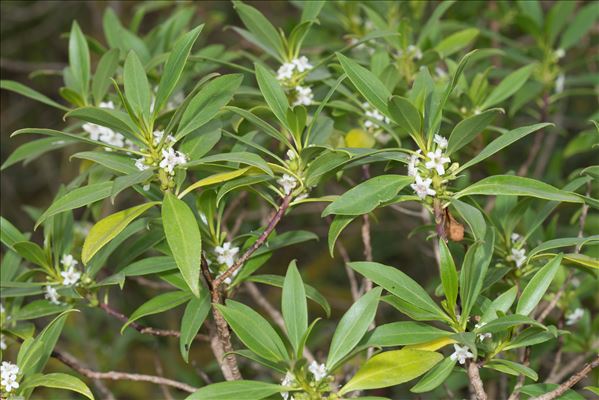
72	362
476	384
439	219
573	380
566	369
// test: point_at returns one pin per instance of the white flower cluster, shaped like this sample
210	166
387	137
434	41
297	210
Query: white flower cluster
158	135
52	295
170	159
287	183
226	255
518	255
318	371
3	345
288	380
70	276
461	353
107	135
575	316
435	161
483	336
289	74
373	113
412	52
8	376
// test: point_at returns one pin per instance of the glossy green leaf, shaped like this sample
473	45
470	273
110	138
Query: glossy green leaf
158	304
236	390
107	228
466	130
76	198
508	86
449	275
150	265
32	94
392	368
32	252
407	116
403	333
502	304
273	94
241	157
58	380
507	322
183	238
137	87
512	368
104	71
456	41
33	149
261	28
254	331
79	59
113	119
434	377
473	217
194	316
294	306
368	195
352	327
214	179
585	19
337	226
537	286
474	268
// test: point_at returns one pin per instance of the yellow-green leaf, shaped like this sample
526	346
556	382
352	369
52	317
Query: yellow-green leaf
216	178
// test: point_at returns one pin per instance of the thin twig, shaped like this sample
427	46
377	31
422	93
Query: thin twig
476	384
72	362
573	380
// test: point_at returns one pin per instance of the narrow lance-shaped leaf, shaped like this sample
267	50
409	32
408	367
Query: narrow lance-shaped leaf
137	87
79	59
58	381
466	130
158	304
261	28
104	71
236	390
294	306
273	94
474	268
508	86
106	229
183	237
536	288
449	275
32	94
194	316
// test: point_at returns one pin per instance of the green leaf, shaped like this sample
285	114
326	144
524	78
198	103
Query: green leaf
205	105
502	141
466	130
502	303
511	185
473	217
236	390
294	306
32	94
104	71
399	284
254	331
311	9
261	28
110	160
449	275
9	234
151	265
536	288
508	86
157	304
107	228
123	182
79	59
113	119
563	242
311	292
506	322
539	389
194	316
76	198
580	25
174	66
183	237
38	309
392	368
531	337
213	179
242	157
32	252
368	195
33	149
456	41
352	327
474	268
403	333
337	226
273	94
137	87
512	368
367	83
404	114
58	381
434	377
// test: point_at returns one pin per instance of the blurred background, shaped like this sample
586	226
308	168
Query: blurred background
33	38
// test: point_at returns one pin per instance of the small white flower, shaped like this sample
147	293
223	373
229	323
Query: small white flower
518	256
146	187
440	72
3	345
303	96
226	254
68	260
2	309
415	52
290	154
302	64
319	371
413	164
373	113
203	218
140	164
158	135
574	317
70	276
287	183
176	101
285	71
559	83
559	53
288	380
171	159
107	104
8	376
461	353
515	237
52	295
441	141
437	161
483	336
422	187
